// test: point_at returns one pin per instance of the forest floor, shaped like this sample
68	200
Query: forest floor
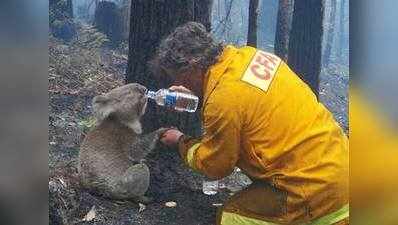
78	71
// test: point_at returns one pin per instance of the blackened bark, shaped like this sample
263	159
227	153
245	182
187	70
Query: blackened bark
305	44
60	10
60	19
252	31
125	14
70	8
283	25
150	21
331	34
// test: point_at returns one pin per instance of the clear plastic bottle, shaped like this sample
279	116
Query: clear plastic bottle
177	100
235	182
210	187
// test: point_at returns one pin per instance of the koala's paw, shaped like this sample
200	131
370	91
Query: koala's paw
136	179
143	199
159	132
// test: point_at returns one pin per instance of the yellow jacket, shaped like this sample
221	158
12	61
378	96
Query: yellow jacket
260	116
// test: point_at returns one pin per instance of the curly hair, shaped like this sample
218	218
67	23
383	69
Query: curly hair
187	48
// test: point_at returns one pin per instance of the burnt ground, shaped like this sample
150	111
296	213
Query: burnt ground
69	205
83	68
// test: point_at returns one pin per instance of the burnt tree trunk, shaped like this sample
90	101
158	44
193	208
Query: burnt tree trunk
252	31
93	2
108	20
70	8
61	19
331	33
125	13
305	44
283	25
150	21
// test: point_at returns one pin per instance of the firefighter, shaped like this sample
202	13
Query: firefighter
259	116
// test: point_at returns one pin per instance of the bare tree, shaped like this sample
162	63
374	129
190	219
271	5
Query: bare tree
108	19
61	19
283	24
93	2
330	32
252	31
125	13
150	21
305	44
266	21
223	23
70	7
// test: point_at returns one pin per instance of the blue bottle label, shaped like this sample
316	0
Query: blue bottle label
170	100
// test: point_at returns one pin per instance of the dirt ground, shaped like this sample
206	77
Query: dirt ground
69	204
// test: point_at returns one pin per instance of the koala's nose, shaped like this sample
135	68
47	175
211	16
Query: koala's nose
141	89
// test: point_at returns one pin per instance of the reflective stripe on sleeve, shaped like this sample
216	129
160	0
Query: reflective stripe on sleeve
190	155
236	219
333	217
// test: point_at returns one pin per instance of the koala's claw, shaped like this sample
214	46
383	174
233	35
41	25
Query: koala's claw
143	199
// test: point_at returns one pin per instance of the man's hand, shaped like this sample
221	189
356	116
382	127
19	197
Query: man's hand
170	137
180	88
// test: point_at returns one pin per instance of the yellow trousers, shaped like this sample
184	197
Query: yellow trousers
262	204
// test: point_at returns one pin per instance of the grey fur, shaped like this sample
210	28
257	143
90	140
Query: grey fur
109	152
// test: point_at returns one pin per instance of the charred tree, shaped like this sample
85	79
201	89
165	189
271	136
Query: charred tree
330	32
61	19
125	13
69	6
283	25
108	20
305	44
150	21
252	31
93	2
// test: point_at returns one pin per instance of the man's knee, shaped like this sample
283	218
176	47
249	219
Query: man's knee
258	203
227	218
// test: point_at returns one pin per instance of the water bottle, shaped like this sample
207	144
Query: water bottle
177	100
235	182
210	187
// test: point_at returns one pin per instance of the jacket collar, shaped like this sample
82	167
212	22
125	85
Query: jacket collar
216	71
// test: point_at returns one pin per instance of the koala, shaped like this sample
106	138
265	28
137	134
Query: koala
111	155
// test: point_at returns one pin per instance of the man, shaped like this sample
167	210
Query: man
259	116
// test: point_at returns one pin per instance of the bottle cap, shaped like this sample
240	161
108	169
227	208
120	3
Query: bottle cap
150	94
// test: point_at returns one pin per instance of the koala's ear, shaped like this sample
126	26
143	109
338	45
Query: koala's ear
136	126
101	107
